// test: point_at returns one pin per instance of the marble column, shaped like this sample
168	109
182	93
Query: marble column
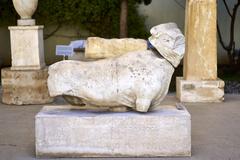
26	81
199	82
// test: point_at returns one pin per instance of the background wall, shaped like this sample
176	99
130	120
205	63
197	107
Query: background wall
159	11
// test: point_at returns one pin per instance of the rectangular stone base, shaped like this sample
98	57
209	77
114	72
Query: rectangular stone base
65	131
200	91
27	47
25	87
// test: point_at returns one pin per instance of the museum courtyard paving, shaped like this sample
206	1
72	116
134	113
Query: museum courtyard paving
215	130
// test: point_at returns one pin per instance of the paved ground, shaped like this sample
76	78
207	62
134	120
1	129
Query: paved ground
215	131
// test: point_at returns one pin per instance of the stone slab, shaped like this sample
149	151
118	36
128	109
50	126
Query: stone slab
27	47
200	91
25	87
97	48
65	131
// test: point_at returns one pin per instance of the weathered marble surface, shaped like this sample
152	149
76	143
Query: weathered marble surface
97	48
169	41
25	87
65	131
200	91
200	60
25	8
137	80
27	47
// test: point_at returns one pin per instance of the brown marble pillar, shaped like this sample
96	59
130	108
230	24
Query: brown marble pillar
199	82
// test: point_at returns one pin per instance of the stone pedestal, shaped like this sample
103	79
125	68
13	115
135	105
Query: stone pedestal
25	87
27	47
200	82
64	131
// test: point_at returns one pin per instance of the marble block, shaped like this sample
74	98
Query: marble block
97	48
27	47
169	41
65	131
25	87
200	91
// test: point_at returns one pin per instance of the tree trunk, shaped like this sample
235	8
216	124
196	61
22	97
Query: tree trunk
123	19
230	48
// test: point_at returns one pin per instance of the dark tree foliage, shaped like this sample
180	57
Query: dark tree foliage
8	16
125	7
99	17
146	2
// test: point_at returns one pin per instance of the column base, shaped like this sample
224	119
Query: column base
25	87
200	91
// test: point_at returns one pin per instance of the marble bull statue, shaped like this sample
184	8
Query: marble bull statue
137	80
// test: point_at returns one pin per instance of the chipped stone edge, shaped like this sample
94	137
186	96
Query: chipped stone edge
210	84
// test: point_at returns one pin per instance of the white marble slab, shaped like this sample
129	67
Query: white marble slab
65	131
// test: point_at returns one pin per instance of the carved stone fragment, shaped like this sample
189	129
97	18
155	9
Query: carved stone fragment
136	80
97	48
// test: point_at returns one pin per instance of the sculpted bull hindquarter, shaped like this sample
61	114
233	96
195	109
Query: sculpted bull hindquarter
137	79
